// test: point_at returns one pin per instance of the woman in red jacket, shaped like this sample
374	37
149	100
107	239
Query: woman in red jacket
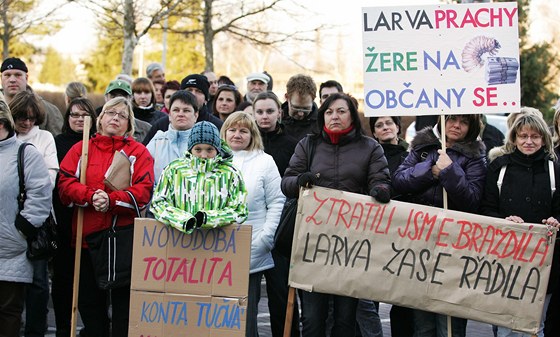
115	126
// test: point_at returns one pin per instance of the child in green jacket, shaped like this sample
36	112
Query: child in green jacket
203	188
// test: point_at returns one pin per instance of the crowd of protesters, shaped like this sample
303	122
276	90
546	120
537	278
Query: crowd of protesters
261	151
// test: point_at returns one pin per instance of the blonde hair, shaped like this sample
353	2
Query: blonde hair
535	123
5	115
113	103
75	90
245	120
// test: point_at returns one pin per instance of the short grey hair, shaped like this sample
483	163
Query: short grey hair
152	67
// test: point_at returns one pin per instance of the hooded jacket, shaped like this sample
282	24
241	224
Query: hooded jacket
190	184
264	201
463	179
354	164
14	265
101	150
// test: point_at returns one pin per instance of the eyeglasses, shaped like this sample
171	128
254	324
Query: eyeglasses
32	119
78	115
297	109
113	113
524	137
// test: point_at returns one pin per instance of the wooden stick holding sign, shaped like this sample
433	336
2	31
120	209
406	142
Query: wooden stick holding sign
289	311
79	230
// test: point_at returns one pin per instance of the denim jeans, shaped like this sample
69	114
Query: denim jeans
315	308
429	324
36	300
367	317
507	332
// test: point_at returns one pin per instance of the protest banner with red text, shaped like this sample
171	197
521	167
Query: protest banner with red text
454	263
193	285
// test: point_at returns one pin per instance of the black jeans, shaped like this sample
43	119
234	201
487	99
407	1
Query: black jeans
94	304
277	292
62	286
37	300
12	295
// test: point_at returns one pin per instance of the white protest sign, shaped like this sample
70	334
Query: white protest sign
441	59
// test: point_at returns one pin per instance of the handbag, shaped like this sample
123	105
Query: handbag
284	235
42	241
110	252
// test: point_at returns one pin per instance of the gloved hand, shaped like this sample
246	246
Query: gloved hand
306	179
381	193
200	217
189	225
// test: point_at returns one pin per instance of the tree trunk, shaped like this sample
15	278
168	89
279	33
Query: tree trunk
130	39
208	36
6	30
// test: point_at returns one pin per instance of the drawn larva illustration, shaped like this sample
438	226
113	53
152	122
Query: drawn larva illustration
475	49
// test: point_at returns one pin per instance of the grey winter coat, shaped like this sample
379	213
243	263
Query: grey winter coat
463	179
14	265
353	165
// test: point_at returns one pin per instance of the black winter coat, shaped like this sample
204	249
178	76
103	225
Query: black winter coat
280	145
525	193
299	128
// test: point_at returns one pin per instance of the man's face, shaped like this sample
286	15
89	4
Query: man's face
254	88
200	99
13	81
158	75
299	106
326	92
116	93
213	80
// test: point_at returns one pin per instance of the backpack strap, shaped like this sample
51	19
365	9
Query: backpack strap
501	178
552	177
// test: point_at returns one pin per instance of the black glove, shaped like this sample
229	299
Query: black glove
189	225
306	179
381	193
200	217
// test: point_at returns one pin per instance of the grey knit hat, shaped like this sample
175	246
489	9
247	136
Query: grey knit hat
204	133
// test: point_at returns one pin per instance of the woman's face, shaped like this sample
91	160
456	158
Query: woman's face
385	130
266	114
456	128
238	137
182	115
337	116
24	124
115	121
167	97
143	98
204	151
225	103
76	118
528	140
159	97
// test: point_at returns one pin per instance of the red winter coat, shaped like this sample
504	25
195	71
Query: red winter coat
100	155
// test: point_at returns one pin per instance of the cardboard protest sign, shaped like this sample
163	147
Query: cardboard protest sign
450	262
193	284
441	59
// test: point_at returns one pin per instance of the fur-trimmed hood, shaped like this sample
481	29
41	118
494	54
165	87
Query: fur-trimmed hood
426	138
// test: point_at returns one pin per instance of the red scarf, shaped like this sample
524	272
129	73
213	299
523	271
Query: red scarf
335	135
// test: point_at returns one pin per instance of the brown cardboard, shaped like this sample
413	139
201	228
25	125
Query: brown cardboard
207	262
174	315
421	257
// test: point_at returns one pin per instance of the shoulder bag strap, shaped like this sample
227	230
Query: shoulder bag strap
134	203
21	175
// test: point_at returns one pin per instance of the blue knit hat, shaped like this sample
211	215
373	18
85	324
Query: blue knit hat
204	133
